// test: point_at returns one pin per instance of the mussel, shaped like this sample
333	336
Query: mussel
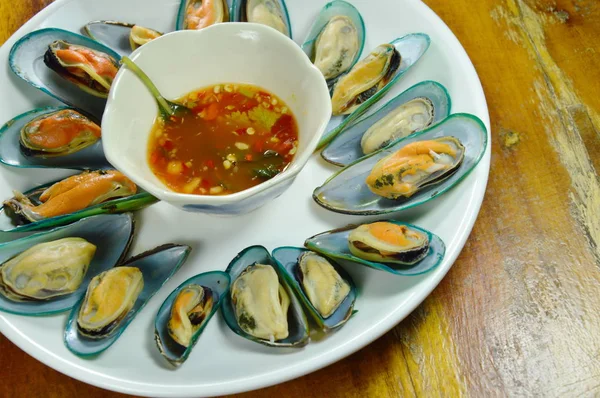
198	14
416	114
92	71
386	242
122	37
336	47
140	35
185	313
59	133
363	86
261	303
46	270
266	12
322	284
271	13
415	109
188	313
72	194
416	165
336	39
49	271
324	287
70	56
115	297
367	77
391	246
108	299
366	186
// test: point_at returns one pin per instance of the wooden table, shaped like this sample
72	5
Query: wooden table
518	314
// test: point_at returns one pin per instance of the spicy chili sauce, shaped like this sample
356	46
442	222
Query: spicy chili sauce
236	137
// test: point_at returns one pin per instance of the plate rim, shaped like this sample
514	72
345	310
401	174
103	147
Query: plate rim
298	369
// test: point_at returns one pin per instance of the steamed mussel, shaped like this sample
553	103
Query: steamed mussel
365	79
92	71
72	194
46	270
108	299
140	35
409	117
336	47
189	312
321	282
387	242
59	133
115	297
198	14
390	246
266	12
261	303
415	166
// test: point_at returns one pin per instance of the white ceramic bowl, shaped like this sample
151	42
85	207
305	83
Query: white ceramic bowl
184	61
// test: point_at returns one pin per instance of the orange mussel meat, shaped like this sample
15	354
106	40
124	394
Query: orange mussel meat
73	194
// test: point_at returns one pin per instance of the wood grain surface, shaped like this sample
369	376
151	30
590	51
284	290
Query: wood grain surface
519	312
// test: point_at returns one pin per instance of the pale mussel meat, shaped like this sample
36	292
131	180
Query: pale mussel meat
336	47
415	166
108	299
140	35
71	194
325	289
188	313
322	283
366	78
271	13
90	70
59	133
386	242
46	270
412	116
261	303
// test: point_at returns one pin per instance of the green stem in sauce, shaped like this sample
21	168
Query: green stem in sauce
167	108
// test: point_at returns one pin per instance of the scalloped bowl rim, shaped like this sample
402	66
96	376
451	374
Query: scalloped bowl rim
311	72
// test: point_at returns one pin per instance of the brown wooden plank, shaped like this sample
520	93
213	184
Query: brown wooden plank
518	312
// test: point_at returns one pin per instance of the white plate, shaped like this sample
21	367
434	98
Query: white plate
223	363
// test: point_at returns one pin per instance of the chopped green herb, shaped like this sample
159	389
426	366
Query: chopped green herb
246	92
263	116
267	172
240	118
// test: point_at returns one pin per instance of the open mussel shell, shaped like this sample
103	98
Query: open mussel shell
120	36
288	259
272	13
297	322
198	14
411	48
26	59
13	153
337	9
334	244
10	222
346	147
110	233
157	266
346	191
215	282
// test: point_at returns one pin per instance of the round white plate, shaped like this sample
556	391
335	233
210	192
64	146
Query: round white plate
222	362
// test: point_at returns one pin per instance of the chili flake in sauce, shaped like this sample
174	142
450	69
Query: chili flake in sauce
236	137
